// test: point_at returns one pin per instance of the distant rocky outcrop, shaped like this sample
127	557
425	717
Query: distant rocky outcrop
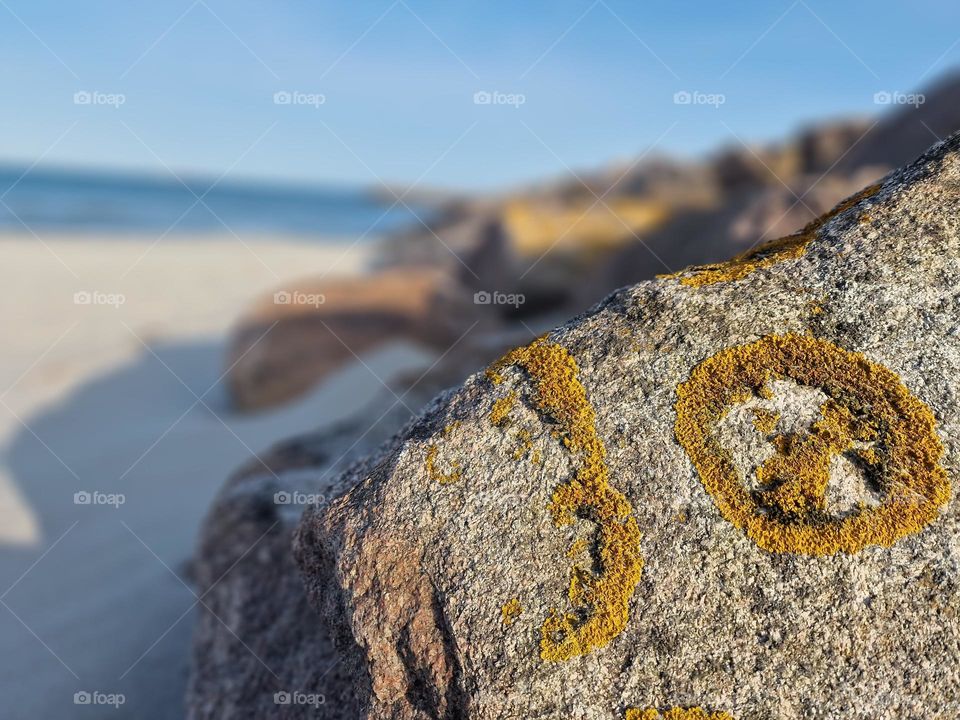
575	240
292	339
903	133
562	246
724	493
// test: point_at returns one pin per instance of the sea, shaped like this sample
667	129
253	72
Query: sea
42	200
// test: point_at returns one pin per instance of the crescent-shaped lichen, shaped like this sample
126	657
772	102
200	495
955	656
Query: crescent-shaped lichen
599	602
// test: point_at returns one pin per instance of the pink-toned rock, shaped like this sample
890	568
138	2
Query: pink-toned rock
293	339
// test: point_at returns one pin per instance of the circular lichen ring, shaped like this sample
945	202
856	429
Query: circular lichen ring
867	404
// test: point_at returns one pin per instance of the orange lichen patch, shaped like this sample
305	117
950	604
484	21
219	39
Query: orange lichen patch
765	421
434	472
869	413
584	228
794	480
599	602
577	547
501	408
526	442
432	466
769	253
511	610
676	714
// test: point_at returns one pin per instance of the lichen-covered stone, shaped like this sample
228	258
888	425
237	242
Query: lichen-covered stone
256	633
743	507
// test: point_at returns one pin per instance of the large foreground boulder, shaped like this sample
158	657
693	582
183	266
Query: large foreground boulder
724	493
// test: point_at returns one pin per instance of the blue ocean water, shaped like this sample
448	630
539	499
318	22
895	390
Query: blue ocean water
102	203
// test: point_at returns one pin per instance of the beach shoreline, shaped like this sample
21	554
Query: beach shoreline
112	386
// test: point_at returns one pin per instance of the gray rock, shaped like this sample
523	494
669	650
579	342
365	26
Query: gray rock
290	341
256	633
725	489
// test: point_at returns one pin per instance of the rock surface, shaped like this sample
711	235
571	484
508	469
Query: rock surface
256	633
565	244
726	490
290	341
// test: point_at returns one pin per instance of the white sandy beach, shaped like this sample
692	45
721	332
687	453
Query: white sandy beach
98	395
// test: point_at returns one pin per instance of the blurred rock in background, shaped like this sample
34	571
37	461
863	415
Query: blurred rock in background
562	246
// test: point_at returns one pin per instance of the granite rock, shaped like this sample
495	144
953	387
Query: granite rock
726	490
293	339
256	633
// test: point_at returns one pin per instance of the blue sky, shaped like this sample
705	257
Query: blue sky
398	79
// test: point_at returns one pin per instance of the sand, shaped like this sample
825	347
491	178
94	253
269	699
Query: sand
118	392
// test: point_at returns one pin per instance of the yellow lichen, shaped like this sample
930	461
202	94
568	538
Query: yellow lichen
526	442
769	253
765	421
599	602
580	227
502	407
577	547
869	455
869	413
434	472
511	610
695	713
493	375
